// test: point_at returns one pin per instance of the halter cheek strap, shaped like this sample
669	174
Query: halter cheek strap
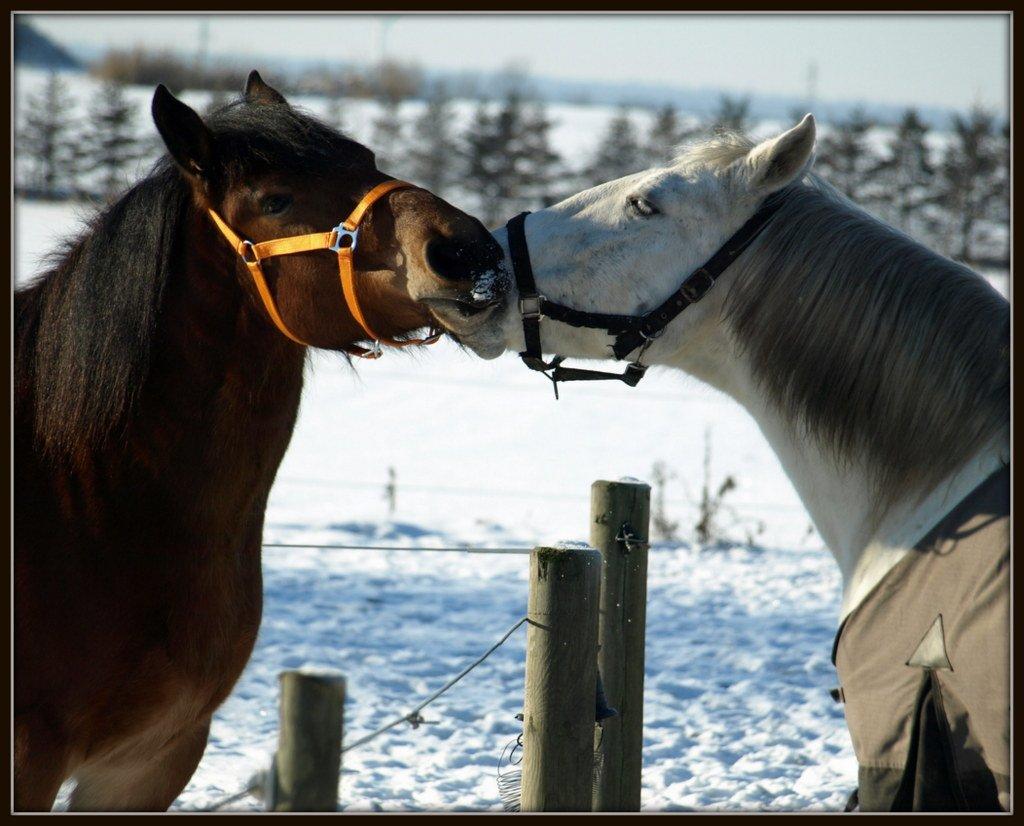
342	240
631	332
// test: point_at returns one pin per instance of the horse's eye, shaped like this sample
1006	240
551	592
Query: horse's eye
275	204
642	207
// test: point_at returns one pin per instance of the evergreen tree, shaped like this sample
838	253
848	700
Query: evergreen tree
906	177
387	138
432	156
493	156
541	165
334	114
1001	194
45	141
109	146
844	156
732	114
618	154
665	136
218	99
969	186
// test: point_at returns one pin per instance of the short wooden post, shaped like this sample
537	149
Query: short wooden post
619	528
307	766
561	675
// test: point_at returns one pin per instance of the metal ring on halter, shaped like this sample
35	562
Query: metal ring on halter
342	232
247	249
529	306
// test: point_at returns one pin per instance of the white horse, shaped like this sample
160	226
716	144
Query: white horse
877	370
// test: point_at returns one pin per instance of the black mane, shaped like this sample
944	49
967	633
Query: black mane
251	138
84	329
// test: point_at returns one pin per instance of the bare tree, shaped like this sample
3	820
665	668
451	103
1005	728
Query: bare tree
662	527
710	504
391	491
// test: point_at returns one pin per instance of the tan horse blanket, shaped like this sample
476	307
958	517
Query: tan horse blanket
924	662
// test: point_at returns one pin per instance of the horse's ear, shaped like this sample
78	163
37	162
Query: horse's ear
773	164
187	138
258	91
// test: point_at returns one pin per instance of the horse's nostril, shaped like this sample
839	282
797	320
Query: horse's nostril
445	259
455	260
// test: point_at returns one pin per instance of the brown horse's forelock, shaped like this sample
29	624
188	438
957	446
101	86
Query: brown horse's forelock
84	329
250	138
881	350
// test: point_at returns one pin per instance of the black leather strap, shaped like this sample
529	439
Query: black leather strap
529	299
631	332
532	306
700	281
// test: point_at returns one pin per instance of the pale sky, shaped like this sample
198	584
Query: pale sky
927	60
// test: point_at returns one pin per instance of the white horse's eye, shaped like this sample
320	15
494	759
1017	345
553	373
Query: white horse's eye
641	206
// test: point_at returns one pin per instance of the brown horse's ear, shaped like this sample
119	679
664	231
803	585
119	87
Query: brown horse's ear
258	91
187	138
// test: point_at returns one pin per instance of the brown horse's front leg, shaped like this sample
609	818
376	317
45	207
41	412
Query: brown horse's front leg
40	763
141	783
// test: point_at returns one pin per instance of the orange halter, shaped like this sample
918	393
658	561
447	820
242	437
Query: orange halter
342	240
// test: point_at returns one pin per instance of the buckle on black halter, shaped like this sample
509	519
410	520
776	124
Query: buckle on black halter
693	291
633	373
529	305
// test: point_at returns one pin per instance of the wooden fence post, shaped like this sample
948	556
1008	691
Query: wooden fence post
561	676
307	766
615	506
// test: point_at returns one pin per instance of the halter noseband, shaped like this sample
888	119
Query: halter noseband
630	331
341	240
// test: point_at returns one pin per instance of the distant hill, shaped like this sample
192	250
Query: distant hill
32	48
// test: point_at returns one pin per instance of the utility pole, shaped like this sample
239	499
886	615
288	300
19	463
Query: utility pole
812	85
202	46
386	22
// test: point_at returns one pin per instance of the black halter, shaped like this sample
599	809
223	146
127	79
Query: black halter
630	331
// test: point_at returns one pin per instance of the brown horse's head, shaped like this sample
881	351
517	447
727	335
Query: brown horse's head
272	171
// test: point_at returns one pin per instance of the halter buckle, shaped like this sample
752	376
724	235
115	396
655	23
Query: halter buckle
341	233
529	306
693	291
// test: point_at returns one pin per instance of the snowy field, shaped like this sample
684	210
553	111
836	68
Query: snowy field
737	710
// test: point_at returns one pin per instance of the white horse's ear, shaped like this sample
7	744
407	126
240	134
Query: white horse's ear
773	164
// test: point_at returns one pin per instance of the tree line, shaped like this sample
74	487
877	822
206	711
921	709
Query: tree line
950	192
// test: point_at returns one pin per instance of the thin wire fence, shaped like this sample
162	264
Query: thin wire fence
256	784
418	548
511	493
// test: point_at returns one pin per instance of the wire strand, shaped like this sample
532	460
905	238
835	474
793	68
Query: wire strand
452	549
414	715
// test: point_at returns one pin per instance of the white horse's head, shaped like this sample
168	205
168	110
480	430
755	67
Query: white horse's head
623	247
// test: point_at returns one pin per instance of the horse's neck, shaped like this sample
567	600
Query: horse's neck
840	500
222	395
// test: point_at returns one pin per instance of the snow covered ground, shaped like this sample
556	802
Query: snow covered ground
737	710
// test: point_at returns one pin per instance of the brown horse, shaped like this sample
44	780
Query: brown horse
154	401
